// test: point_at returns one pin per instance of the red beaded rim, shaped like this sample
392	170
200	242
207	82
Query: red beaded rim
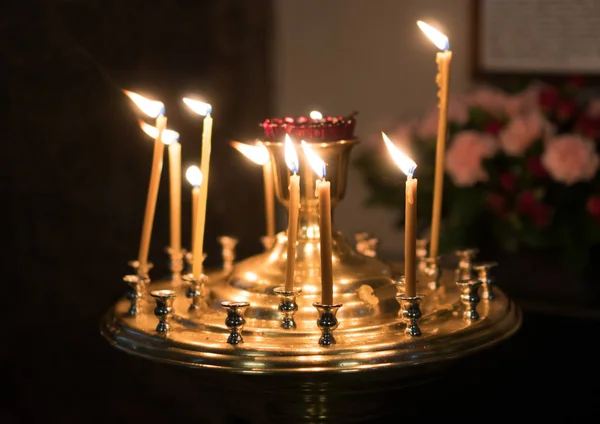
328	128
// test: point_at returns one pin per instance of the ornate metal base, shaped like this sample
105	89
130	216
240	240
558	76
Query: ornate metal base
379	343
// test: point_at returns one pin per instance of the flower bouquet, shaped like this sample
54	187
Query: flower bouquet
521	170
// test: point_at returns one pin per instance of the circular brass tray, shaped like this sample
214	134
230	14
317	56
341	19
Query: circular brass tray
198	340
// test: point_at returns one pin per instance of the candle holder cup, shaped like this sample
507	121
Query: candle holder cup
164	309
189	259
433	272
287	306
410	312
469	297
327	322
141	270
228	245
196	291
176	262
421	253
267	242
465	263
483	274
235	320
137	286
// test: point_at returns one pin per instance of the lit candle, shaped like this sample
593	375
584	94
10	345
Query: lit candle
194	177
323	190
442	79
153	109
260	155
170	138
315	115
205	110
291	159
407	165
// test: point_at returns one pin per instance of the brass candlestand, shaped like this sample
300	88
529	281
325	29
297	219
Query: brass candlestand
286	345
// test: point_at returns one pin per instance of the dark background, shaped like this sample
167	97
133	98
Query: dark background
74	171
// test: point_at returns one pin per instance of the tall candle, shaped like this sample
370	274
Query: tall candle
443	59
291	159
407	165
157	163
269	198
194	176
175	192
323	189
170	138
205	109
410	238
154	109
260	155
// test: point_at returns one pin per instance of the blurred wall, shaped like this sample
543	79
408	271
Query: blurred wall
338	56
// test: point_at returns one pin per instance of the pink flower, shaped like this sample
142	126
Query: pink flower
570	159
593	110
458	113
593	206
524	102
489	99
464	157
522	131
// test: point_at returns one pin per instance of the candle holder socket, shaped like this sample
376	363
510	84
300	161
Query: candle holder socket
421	253
235	320
140	270
228	245
189	259
366	245
195	291
410	312
137	286
483	274
287	306
164	309
327	322
176	262
465	263
268	242
433	272
469	297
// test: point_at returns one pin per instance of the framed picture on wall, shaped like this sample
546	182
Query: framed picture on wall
537	37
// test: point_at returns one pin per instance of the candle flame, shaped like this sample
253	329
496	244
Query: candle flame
291	157
168	136
152	108
316	163
256	153
439	39
198	107
406	164
194	175
316	115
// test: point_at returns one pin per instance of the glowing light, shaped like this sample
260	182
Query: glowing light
291	157
168	136
406	164
256	153
315	162
198	107
316	115
152	108
439	39
194	175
